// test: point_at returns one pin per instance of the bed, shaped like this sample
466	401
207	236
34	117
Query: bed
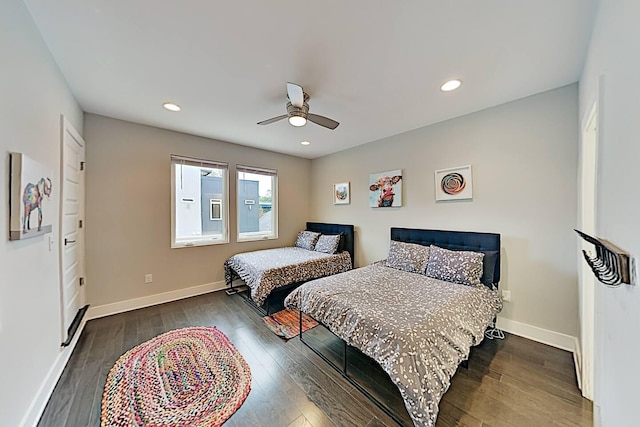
417	328
269	273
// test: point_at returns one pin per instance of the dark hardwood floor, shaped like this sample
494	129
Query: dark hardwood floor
512	382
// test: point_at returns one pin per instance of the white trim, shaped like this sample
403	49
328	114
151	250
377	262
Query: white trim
587	220
554	339
597	416
577	361
39	402
95	312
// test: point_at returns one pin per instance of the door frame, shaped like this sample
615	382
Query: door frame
589	147
66	128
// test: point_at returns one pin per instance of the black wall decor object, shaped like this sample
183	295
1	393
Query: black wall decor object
611	265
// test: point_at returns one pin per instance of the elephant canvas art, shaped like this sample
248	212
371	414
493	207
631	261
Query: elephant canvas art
31	190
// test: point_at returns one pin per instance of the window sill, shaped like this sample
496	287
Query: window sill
194	243
256	237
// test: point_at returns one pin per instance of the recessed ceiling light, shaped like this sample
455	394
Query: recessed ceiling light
450	85
171	106
305	143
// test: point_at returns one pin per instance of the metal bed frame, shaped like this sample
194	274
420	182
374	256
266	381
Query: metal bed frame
346	244
488	243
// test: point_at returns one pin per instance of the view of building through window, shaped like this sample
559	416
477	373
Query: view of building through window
200	196
257	208
200	202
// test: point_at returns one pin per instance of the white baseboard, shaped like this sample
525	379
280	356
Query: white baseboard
95	312
554	339
39	402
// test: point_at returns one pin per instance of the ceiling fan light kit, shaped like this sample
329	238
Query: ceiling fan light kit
298	116
297	121
298	110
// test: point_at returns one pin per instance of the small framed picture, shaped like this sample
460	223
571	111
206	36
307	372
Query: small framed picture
454	183
341	194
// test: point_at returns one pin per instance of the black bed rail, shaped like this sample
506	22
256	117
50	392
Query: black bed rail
344	373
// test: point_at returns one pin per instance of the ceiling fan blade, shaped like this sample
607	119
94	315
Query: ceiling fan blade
322	121
273	119
296	94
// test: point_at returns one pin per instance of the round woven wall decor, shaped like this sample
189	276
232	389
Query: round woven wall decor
186	377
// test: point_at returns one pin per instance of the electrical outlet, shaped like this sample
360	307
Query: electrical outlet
148	278
506	296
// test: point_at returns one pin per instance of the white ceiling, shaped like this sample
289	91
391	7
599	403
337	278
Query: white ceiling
373	65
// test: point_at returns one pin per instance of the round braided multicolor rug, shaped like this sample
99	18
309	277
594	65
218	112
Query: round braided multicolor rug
186	377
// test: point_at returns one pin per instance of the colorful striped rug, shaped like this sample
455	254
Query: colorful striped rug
286	323
186	377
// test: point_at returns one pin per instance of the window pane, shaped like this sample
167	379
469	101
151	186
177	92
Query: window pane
256	205
199	204
216	210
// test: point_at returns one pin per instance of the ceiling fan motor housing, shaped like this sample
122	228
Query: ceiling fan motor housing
294	111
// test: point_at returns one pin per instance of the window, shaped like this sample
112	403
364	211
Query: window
257	203
199	202
215	212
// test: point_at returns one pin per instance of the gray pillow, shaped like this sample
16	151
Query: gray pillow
328	243
307	240
464	267
490	259
408	257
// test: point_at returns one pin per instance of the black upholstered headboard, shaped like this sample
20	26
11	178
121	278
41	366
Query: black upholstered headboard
489	243
346	231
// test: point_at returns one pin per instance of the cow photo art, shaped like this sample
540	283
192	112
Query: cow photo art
385	189
454	183
31	207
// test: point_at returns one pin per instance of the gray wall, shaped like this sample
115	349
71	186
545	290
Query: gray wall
128	212
524	160
34	95
613	60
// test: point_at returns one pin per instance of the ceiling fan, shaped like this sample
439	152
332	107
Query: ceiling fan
298	110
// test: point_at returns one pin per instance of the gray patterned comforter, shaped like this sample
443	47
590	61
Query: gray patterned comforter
265	270
417	328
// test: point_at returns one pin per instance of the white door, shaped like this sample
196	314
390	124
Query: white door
71	227
588	225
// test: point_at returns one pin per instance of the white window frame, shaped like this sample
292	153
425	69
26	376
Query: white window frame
176	243
217	202
259	235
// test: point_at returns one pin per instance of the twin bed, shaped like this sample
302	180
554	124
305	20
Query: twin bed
416	314
271	272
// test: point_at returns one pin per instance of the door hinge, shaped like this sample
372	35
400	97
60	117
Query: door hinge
80	224
81	166
81	281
